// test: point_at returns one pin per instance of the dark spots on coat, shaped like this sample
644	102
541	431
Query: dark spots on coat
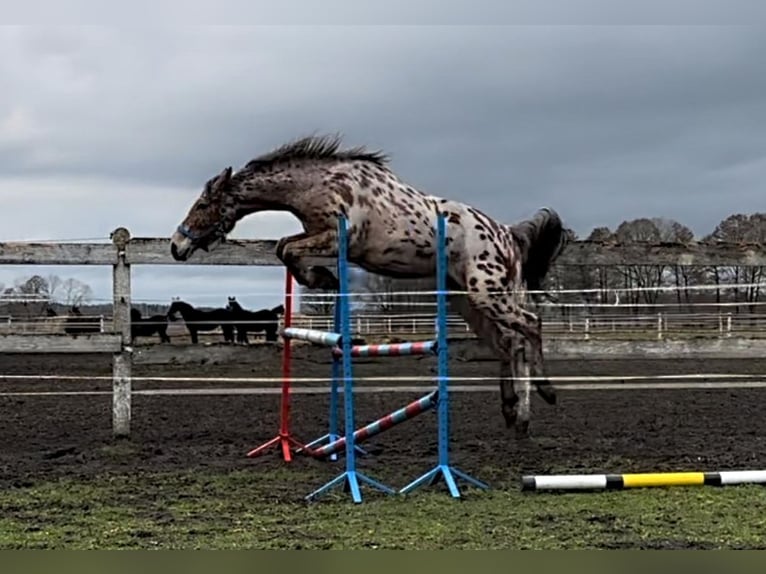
483	255
364	201
344	191
473	281
454	218
483	236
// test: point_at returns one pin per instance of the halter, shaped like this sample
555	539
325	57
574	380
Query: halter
189	234
186	232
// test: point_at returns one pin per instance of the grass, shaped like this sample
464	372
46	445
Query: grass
239	509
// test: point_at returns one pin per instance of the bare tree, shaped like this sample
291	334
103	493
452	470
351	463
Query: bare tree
671	231
75	292
34	285
54	285
640	276
741	228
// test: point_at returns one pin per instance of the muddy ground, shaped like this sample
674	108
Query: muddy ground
42	437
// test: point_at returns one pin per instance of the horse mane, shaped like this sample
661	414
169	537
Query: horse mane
541	240
317	148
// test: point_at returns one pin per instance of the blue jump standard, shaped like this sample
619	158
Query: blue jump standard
351	478
332	433
443	469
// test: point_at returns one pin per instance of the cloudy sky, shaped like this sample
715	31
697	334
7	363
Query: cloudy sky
103	127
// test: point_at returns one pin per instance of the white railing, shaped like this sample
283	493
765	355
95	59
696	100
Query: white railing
652	325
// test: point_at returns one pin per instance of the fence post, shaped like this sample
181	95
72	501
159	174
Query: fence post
587	328
728	324
122	361
659	326
720	324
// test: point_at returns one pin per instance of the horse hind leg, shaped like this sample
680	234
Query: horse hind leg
489	331
509	330
533	333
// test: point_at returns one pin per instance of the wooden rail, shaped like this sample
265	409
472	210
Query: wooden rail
124	251
156	251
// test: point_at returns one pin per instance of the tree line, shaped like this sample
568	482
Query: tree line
30	296
599	283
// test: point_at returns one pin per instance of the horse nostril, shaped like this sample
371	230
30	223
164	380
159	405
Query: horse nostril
174	252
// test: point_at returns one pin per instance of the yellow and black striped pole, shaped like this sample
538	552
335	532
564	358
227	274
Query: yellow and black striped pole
640	480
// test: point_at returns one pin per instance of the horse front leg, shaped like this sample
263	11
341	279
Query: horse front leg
295	250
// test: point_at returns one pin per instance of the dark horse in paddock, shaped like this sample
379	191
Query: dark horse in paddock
266	320
77	324
146	327
201	320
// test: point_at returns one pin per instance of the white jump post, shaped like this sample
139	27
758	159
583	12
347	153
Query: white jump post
122	360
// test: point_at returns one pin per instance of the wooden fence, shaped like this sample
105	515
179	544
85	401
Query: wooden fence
124	251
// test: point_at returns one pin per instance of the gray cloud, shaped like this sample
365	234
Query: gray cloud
103	127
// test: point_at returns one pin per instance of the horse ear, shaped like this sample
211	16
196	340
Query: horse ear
223	178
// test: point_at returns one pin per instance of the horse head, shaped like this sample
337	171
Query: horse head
175	306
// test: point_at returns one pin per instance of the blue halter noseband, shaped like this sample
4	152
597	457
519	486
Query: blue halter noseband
217	229
186	232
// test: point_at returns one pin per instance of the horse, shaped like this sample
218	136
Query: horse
266	320
51	321
197	320
140	327
77	324
391	232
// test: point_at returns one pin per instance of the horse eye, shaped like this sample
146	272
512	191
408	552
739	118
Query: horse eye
201	206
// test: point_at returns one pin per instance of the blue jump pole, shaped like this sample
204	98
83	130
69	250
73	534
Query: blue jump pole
351	478
332	433
443	468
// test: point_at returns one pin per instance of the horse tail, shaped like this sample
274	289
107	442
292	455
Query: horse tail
541	240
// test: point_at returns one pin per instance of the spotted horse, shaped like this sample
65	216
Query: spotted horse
392	233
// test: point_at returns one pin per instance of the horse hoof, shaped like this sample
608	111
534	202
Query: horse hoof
547	392
510	418
522	430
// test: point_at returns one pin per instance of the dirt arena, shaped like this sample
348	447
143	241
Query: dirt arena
43	437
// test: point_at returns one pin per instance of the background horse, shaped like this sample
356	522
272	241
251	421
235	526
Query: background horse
266	320
77	324
140	327
203	320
